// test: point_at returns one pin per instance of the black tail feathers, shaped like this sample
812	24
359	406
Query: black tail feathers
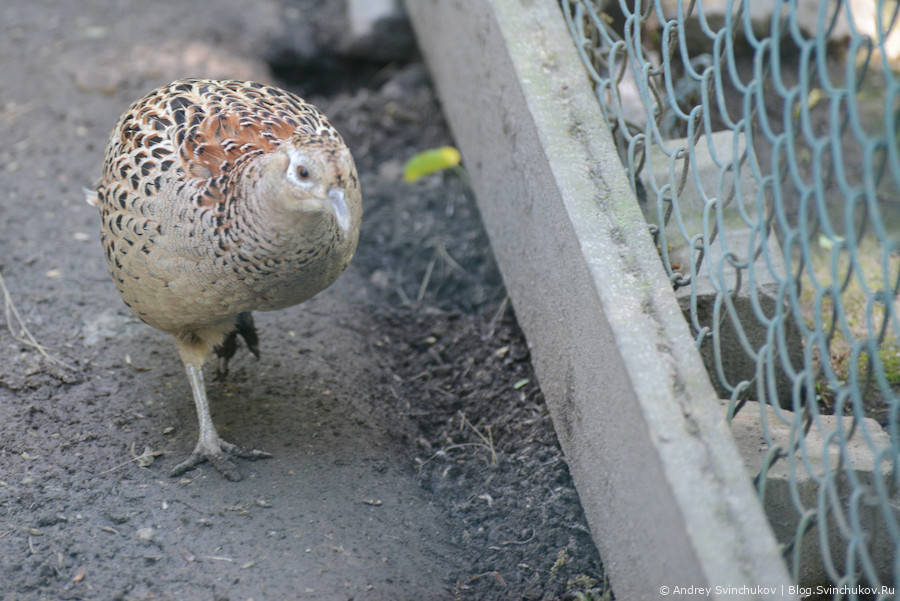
247	330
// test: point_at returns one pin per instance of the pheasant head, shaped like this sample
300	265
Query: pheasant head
310	182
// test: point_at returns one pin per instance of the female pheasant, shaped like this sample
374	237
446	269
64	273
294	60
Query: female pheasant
219	198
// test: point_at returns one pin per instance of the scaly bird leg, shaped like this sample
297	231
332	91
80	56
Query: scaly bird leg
210	447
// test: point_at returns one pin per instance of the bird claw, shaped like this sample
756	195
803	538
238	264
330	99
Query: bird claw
218	456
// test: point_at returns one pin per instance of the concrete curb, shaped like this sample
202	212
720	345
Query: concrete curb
659	475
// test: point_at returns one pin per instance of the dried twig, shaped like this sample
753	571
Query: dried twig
425	280
9	313
442	252
487	440
519	542
498	316
493	573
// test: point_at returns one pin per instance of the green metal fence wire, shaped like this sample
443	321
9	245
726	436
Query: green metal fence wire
761	140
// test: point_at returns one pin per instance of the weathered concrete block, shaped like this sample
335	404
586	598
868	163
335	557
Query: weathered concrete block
757	298
821	455
658	475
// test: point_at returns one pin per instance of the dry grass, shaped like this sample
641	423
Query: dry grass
856	312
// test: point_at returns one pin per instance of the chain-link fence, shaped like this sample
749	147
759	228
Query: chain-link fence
761	139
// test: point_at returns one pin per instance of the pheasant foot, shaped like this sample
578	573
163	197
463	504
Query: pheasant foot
218	453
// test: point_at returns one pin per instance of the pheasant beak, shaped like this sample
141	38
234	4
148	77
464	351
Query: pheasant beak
338	200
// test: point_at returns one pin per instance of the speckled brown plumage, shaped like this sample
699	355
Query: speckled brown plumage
218	198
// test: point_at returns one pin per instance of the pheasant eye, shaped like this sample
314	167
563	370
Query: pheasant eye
302	172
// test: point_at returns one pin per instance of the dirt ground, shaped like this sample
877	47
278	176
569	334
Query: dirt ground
413	454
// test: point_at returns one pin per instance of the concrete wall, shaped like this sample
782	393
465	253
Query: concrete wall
658	473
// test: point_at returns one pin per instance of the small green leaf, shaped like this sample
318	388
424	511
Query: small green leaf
430	161
828	243
520	383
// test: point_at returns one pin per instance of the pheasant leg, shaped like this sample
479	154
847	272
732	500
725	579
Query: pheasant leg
210	447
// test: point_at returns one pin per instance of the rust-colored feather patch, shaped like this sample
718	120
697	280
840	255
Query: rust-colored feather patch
222	139
199	135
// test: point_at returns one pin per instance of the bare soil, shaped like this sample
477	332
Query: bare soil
413	455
